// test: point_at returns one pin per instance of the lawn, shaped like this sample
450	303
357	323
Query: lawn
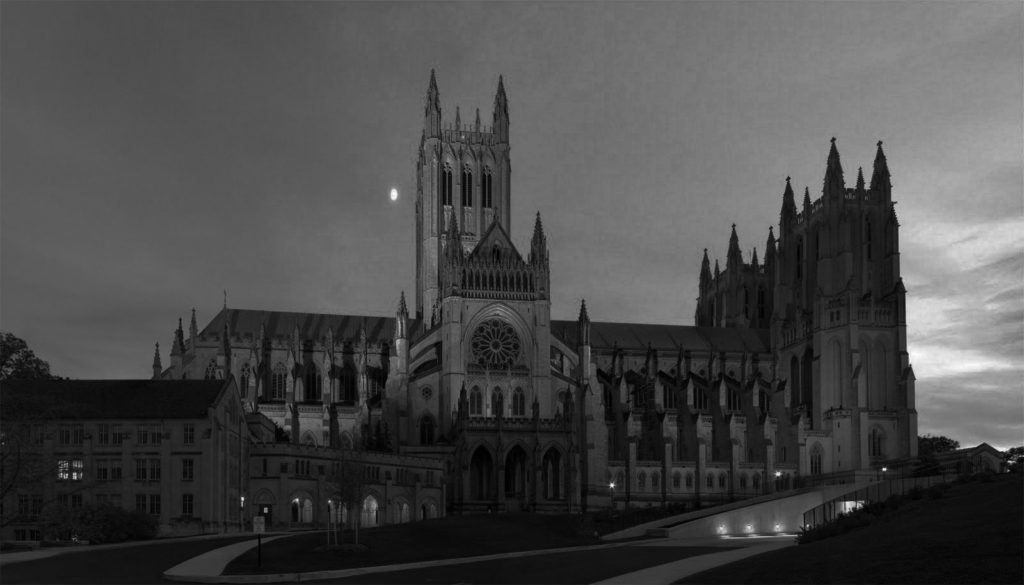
453	537
973	534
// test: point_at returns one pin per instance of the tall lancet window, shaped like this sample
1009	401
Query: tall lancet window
487	195
467	188
314	384
867	236
278	382
446	185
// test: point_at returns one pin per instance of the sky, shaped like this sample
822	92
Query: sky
157	154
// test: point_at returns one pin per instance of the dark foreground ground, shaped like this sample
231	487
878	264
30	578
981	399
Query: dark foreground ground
973	534
452	537
141	564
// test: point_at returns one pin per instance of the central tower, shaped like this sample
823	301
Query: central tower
462	178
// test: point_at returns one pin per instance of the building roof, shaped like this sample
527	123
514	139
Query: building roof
242	322
671	338
108	399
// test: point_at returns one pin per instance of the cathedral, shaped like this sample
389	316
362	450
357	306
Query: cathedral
795	370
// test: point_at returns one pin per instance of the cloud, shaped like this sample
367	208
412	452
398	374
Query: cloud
974	408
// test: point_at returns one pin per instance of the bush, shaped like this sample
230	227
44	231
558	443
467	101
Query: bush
97	524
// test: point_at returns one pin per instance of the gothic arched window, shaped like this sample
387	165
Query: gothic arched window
734	398
243	379
476	402
278	382
876	443
743	481
677	480
446	185
800	258
467	188
426	430
655	481
641	481
867	236
689	481
761	312
496	406
816	459
314	384
211	371
711	481
756	481
487	195
721	481
348	385
518	402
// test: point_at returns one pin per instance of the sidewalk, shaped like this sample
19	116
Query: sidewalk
43	553
207	568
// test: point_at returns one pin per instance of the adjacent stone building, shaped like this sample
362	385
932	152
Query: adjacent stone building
176	449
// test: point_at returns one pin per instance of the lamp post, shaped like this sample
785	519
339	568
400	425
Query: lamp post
611	494
778	477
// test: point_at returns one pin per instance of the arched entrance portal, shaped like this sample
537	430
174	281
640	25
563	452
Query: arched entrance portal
370	512
515	479
481	469
552	478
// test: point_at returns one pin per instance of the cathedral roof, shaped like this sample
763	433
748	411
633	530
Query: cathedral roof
604	335
110	399
243	322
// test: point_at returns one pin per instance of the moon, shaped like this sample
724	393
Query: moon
394	194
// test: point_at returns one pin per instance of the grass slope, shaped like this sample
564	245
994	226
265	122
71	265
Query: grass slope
971	535
453	537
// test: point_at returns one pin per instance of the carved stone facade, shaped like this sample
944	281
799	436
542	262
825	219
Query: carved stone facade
796	369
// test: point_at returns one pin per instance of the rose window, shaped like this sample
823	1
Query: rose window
495	344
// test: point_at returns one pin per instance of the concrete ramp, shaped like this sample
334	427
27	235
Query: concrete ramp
783	514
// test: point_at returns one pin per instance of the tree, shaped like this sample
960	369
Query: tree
932	445
346	487
18	362
1014	458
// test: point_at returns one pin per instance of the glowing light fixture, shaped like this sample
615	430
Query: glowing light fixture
394	194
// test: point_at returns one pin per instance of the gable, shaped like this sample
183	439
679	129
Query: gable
495	236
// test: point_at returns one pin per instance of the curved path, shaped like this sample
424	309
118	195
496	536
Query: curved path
654	561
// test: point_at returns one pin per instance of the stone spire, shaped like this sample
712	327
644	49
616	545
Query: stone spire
807	204
476	124
717	271
157	368
734	259
788	215
432	110
834	183
454	239
538	244
705	272
769	248
401	318
193	330
501	112
458	119
583	331
860	180
880	180
178	345
753	259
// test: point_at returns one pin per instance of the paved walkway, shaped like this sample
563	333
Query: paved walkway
207	568
42	553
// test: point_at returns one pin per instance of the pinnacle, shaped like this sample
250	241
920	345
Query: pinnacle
583	311
402	309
